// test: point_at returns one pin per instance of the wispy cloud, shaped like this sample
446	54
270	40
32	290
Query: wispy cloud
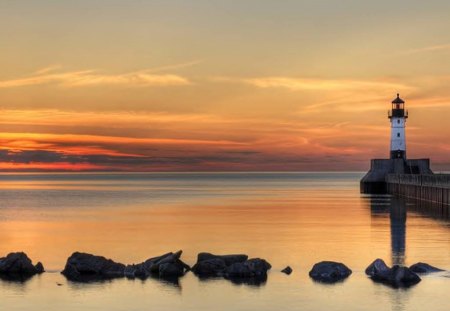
143	78
176	66
431	48
315	84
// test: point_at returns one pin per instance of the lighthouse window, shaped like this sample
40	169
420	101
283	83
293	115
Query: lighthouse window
398	134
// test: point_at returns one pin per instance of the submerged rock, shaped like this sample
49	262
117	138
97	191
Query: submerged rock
329	272
83	267
397	276
167	265
19	266
287	270
422	267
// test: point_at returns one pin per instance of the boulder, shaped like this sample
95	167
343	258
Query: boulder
40	267
228	259
287	270
397	276
329	272
377	268
167	265
171	270
84	267
209	267
251	268
402	277
422	267
237	268
19	265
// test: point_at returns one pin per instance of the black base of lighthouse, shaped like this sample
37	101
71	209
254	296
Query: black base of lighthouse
398	154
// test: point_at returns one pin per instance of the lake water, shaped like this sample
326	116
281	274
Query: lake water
294	219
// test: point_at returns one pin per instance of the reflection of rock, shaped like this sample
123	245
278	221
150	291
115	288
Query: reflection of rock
17	266
167	265
329	272
422	267
397	276
82	267
287	270
251	281
237	268
172	281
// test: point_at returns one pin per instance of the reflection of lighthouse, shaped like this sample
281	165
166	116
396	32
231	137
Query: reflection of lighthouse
398	230
381	206
398	119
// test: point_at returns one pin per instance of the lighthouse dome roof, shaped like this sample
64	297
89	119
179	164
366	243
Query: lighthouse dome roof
398	100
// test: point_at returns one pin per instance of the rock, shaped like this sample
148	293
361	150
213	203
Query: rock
287	270
376	268
396	276
422	267
84	267
403	277
255	267
167	265
171	269
329	272
40	267
228	259
209	267
18	264
237	268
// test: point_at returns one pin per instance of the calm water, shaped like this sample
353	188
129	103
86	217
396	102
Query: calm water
294	219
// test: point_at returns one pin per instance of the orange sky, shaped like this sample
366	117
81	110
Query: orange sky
220	85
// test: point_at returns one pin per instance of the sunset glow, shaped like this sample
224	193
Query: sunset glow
253	90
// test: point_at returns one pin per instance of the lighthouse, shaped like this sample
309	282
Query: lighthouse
398	116
375	181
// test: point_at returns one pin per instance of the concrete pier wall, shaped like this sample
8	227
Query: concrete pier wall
432	188
375	179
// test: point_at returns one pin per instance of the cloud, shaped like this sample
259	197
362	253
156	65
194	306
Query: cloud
143	78
176	66
315	84
432	48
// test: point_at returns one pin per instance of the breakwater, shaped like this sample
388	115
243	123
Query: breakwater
432	188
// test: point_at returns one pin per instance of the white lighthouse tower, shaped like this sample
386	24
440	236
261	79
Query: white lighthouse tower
398	119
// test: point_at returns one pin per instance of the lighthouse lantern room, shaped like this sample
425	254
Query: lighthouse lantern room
398	118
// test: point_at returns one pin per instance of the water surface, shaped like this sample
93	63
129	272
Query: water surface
294	219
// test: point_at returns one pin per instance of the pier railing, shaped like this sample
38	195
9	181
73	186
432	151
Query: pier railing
433	188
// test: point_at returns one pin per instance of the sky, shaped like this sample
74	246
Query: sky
220	85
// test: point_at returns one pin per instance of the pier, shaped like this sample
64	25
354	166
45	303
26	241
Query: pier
431	188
